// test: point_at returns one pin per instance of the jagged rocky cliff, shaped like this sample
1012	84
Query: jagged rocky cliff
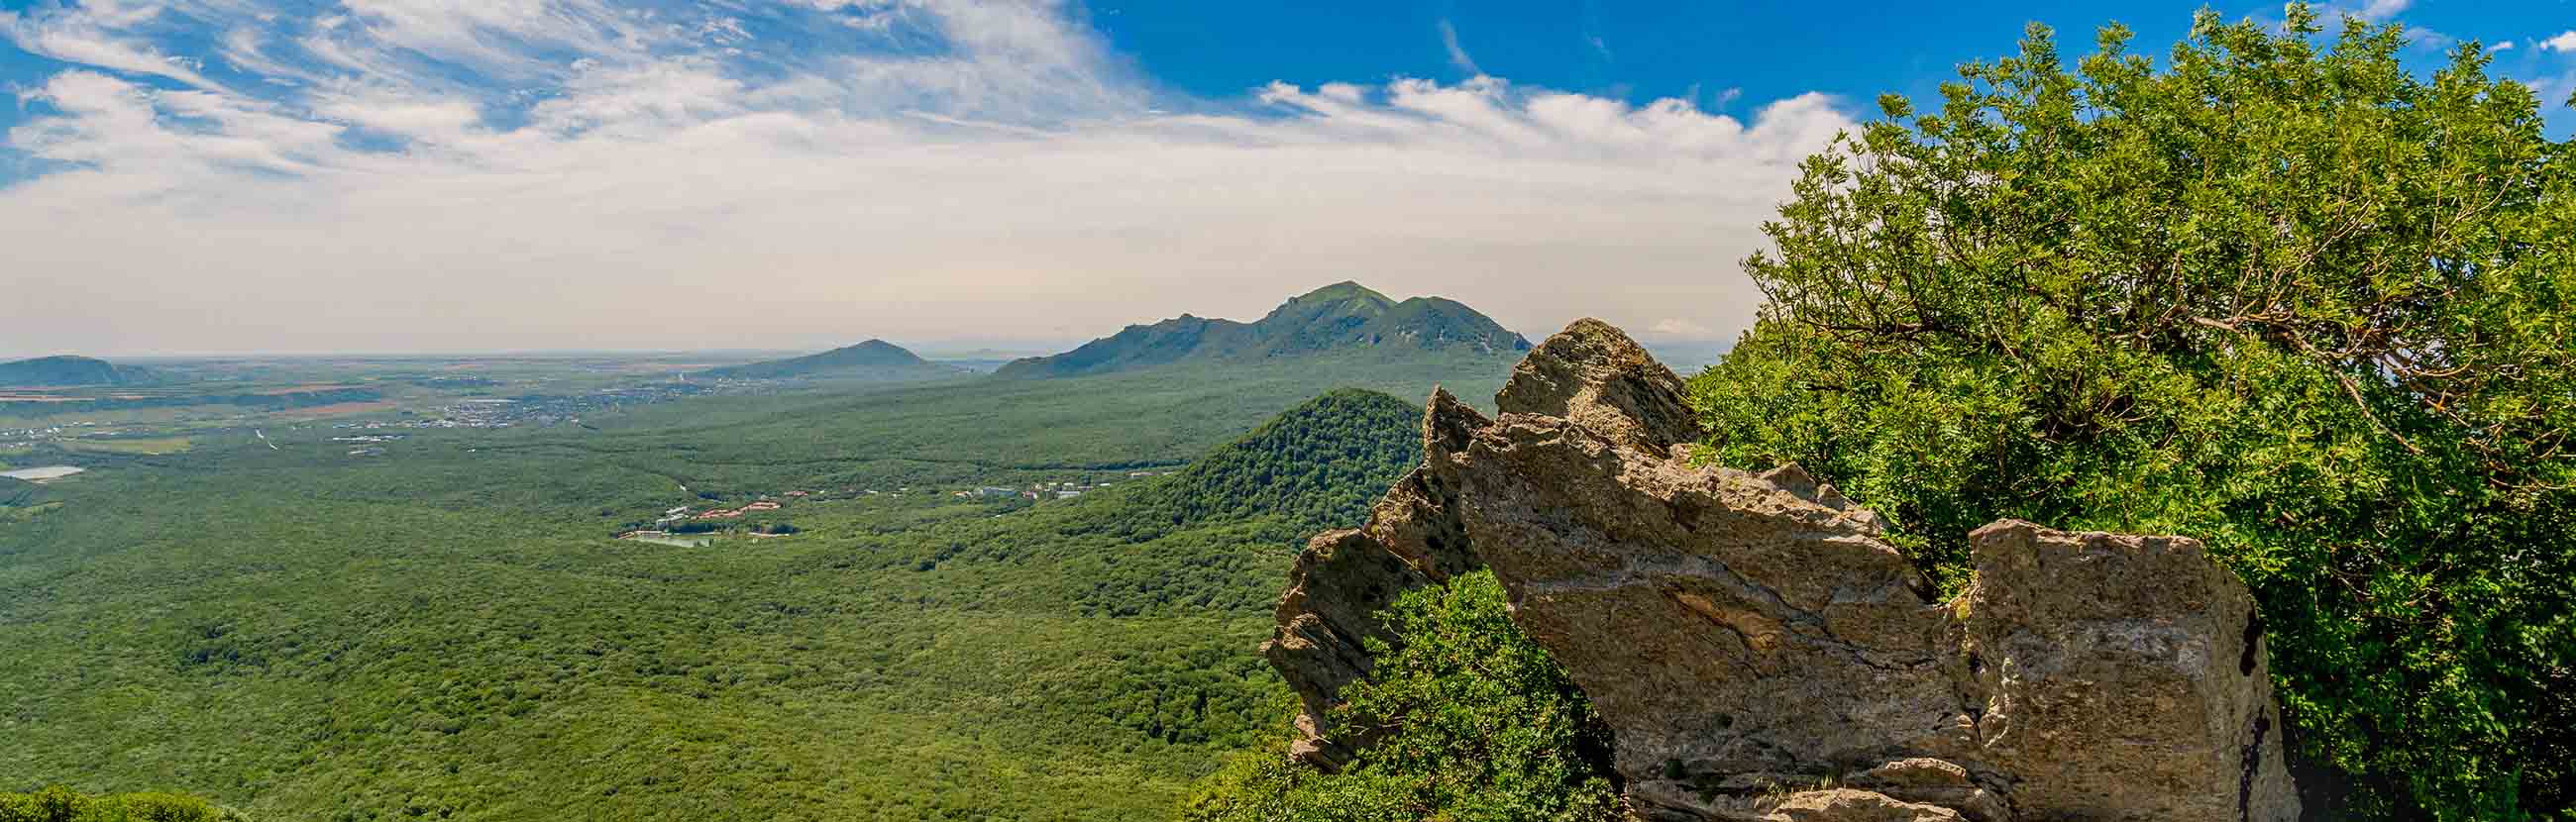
1762	653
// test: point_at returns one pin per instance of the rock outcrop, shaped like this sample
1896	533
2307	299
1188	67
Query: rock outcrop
1761	652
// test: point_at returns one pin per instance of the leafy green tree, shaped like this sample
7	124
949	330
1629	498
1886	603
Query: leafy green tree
2278	295
1482	726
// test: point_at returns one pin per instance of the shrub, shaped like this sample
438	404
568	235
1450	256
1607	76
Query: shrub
1484	726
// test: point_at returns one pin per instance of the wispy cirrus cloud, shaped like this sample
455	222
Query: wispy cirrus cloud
97	38
435	174
1458	56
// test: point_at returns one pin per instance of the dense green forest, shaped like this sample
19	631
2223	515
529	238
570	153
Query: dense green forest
2275	294
1324	461
446	630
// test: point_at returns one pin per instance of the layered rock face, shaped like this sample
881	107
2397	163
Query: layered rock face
1762	653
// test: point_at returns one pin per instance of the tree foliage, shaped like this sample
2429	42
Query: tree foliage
2277	294
1482	726
58	804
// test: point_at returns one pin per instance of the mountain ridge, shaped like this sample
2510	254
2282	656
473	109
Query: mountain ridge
1344	316
65	371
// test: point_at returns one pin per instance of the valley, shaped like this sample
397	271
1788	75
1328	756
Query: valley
981	598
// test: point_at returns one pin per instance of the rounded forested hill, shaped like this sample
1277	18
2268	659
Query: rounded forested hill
1319	463
67	371
871	358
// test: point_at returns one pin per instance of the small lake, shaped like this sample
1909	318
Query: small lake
42	474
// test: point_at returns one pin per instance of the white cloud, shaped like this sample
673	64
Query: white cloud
2501	45
2565	41
1680	328
1015	181
2380	10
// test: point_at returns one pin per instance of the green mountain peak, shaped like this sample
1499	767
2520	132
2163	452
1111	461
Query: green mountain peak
1342	317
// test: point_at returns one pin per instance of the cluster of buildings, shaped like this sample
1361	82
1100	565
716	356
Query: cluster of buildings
31	436
1061	489
536	408
734	513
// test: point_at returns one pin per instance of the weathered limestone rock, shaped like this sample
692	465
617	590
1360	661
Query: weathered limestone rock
1592	375
1762	653
2122	677
1739	632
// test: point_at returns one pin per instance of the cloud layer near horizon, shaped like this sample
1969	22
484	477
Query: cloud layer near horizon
388	175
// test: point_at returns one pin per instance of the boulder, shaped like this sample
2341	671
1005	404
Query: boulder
1761	652
2121	677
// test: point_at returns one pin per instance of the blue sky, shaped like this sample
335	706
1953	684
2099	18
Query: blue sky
201	176
1645	51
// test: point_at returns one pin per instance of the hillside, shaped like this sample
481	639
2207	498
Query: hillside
874	359
1340	318
1319	463
21	493
68	371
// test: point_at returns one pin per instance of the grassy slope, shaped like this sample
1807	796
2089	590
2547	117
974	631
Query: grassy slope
448	632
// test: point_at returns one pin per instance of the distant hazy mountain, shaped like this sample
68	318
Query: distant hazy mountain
58	372
1343	317
874	359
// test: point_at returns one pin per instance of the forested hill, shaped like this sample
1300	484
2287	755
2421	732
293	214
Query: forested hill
65	371
871	359
1211	539
1339	318
1318	464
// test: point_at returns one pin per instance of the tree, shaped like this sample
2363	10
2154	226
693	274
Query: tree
2283	297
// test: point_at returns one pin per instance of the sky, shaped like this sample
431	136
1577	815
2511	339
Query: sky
345	176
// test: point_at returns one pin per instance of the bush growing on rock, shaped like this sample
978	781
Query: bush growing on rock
2282	297
1483	727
